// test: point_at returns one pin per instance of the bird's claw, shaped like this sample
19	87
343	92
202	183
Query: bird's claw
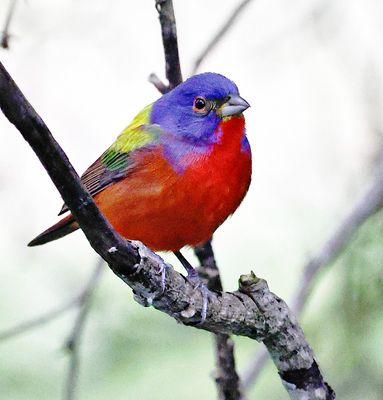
195	280
162	270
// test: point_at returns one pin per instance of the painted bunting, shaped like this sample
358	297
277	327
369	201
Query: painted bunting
176	172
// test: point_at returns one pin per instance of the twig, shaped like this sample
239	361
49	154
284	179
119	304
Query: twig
158	84
253	311
220	34
254	369
226	376
370	203
169	40
4	41
26	326
73	341
36	322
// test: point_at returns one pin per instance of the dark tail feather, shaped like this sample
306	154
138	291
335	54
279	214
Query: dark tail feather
64	227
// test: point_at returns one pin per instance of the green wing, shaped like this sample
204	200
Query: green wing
117	161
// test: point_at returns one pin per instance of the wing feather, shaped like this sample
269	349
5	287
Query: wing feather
116	162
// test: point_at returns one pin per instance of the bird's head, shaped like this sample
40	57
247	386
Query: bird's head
194	109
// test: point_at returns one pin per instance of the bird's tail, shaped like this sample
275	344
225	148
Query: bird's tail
64	227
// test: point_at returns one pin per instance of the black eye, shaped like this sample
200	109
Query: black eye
200	104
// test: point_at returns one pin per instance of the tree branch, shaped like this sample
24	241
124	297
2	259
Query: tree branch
226	377
253	311
4	41
369	204
111	246
77	301
158	84
36	322
220	34
73	342
169	40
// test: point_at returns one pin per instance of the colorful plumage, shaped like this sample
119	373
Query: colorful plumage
176	172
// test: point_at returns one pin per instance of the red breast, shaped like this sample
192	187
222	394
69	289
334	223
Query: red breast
166	210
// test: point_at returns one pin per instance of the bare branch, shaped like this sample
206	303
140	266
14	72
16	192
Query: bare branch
26	326
368	205
36	322
220	34
158	84
253	311
255	367
111	246
73	342
4	41
226	376
169	40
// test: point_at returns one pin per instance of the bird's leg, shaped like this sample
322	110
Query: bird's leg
192	272
194	278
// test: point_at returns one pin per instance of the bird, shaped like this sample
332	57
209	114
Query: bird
176	173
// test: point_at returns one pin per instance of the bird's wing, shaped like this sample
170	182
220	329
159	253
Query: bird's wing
117	161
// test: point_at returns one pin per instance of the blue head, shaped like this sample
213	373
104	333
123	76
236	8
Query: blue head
192	110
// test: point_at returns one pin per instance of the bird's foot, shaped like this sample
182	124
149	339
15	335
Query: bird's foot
162	270
197	284
195	280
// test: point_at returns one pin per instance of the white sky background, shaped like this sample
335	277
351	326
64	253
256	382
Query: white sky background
312	71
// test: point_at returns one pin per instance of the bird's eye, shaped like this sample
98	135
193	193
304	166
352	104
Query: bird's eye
201	105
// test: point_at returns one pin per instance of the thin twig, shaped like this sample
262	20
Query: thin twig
220	34
26	326
369	204
41	320
226	377
158	84
169	40
73	342
4	41
254	369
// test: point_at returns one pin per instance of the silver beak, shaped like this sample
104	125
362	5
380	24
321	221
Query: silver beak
234	105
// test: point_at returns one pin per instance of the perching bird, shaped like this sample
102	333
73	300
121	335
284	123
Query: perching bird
176	172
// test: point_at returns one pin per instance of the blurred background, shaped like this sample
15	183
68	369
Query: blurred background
313	72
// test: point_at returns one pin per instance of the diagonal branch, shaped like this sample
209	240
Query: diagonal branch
369	204
41	320
253	311
220	34
111	246
77	301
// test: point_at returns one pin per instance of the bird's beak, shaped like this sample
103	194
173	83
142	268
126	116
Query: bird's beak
234	105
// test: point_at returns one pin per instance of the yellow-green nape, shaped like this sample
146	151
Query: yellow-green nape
135	135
